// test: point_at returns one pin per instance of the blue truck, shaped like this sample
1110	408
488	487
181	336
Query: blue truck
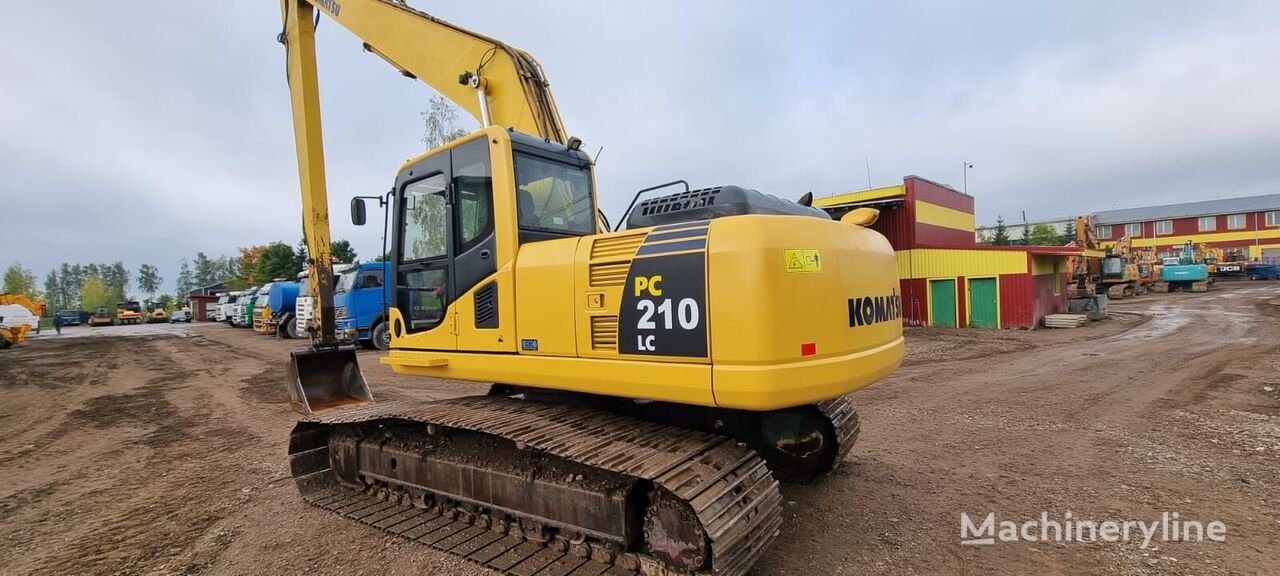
359	305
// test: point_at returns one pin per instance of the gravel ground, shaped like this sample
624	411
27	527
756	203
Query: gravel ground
160	450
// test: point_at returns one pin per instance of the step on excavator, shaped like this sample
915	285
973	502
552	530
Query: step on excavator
651	384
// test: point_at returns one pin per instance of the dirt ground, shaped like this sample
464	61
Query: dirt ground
162	451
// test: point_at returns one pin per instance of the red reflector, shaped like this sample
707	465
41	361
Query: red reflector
808	349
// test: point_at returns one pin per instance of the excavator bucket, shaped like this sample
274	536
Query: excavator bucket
323	379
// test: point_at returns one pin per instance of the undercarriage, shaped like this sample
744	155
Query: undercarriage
524	484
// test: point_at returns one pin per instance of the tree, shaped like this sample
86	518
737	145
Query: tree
300	253
339	250
70	277
248	273
1043	235
205	272
186	279
1069	234
94	294
149	279
116	278
53	292
168	302
440	119
277	260
1001	235
19	280
342	251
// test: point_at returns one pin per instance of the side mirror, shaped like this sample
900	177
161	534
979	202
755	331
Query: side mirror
357	211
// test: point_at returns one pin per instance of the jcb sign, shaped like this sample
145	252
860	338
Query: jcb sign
662	312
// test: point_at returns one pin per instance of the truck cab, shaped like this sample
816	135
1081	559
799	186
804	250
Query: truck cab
220	308
262	308
304	308
359	301
240	312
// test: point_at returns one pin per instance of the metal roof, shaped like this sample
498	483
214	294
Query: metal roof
862	196
1189	209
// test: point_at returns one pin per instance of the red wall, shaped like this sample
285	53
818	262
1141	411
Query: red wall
937	236
895	224
1017	306
1046	301
915	303
928	235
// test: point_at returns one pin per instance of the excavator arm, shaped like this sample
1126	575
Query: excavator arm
495	83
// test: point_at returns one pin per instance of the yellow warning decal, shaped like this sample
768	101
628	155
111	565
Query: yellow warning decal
802	261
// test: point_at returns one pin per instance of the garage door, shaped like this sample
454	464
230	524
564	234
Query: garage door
982	303
942	303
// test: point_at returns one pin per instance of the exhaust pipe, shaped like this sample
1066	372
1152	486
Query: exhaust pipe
323	379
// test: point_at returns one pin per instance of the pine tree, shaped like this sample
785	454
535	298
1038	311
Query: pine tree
1069	234
1001	235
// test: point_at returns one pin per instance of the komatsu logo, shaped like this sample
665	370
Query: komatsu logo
867	310
332	6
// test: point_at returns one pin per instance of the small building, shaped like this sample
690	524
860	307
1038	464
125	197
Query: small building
947	279
1245	228
204	301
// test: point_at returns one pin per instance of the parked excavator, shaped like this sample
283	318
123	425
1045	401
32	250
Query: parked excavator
650	384
19	315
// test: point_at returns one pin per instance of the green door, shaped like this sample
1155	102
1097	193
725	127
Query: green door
942	303
982	303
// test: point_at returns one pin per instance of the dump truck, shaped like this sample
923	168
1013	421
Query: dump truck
651	382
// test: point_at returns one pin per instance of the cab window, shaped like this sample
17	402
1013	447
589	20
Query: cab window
553	196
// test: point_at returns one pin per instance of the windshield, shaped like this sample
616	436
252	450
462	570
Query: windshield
262	299
554	196
346	281
224	299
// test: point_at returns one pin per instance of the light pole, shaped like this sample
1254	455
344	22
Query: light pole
967	166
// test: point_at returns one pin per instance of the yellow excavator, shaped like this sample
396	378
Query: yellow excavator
13	332
650	384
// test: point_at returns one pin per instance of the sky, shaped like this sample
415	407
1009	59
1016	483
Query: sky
146	131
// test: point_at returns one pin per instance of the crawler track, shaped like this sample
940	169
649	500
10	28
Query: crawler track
706	485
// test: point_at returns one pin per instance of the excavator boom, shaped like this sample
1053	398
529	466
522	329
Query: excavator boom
495	83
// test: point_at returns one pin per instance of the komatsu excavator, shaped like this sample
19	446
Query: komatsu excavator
650	383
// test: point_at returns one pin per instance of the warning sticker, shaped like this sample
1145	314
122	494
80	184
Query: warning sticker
802	261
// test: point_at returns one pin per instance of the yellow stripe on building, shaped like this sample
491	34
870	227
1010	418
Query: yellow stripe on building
946	263
885	193
1266	234
942	216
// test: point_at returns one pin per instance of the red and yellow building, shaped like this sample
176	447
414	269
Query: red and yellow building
946	278
1245	229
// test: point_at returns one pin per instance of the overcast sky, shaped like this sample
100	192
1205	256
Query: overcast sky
145	131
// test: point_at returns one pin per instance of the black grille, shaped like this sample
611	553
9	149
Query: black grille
678	202
487	306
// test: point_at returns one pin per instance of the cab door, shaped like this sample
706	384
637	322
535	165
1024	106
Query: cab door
422	251
444	243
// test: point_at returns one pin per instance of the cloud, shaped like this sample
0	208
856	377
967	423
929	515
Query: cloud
146	131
